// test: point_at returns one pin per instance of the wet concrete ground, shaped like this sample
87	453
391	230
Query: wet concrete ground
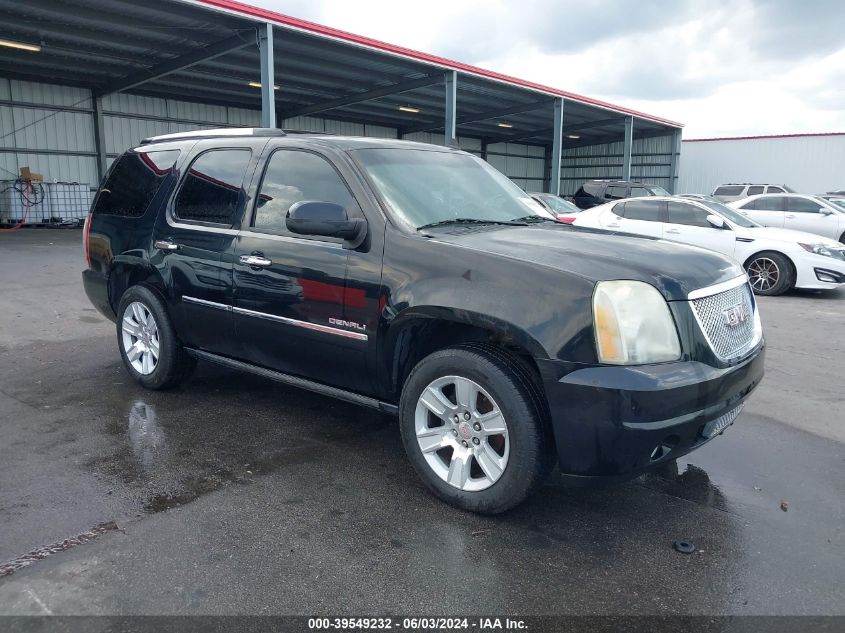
235	495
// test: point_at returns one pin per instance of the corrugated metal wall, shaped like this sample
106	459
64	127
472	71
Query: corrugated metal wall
811	164
651	161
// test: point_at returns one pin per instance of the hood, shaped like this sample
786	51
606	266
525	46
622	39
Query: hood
674	269
784	235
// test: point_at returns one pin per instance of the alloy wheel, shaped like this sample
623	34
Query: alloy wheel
462	433
140	338
763	273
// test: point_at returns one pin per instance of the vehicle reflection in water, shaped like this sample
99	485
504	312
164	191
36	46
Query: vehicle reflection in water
146	436
692	484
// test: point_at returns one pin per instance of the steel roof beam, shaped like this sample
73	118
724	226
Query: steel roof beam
494	114
182	62
367	95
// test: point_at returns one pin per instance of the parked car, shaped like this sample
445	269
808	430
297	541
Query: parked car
738	191
839	201
776	260
595	192
421	282
841	192
799	212
562	209
697	196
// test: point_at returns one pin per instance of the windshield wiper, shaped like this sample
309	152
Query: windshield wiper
470	221
530	219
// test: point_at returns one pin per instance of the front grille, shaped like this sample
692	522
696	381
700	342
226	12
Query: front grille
714	427
727	341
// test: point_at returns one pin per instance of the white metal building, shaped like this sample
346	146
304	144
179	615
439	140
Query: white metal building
809	163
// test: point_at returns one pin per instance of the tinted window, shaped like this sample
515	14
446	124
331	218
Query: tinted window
681	213
802	205
213	188
771	203
134	181
615	193
775	190
648	210
293	176
729	190
593	189
639	192
756	189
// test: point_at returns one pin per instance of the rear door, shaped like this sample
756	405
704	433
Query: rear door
195	237
641	216
291	297
688	223
805	214
768	210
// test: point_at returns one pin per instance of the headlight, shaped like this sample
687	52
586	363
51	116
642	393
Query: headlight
633	324
817	249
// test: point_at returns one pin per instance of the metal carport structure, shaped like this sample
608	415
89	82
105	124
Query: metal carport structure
232	55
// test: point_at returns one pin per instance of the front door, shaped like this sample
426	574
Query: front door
193	241
687	223
291	290
805	214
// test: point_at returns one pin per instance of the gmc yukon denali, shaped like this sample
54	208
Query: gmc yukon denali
419	281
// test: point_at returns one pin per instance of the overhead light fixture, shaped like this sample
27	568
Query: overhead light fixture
573	136
507	125
257	84
409	109
35	48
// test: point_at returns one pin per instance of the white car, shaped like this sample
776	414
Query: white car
796	211
776	259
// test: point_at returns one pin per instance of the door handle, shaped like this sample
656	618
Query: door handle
255	261
673	231
790	216
613	226
166	245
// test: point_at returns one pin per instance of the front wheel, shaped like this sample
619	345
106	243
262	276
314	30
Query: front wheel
151	352
769	273
473	428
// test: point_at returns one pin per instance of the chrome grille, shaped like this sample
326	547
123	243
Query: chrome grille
727	341
714	427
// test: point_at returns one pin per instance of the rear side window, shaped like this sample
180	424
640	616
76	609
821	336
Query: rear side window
775	190
293	176
758	189
616	193
639	192
593	189
729	190
773	203
642	209
212	191
687	214
802	205
133	182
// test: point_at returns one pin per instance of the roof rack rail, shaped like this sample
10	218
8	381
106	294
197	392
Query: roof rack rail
224	131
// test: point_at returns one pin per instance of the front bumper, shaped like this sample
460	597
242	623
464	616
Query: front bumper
614	423
817	272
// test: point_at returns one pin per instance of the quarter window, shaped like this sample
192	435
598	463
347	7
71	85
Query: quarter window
293	176
775	190
642	209
212	191
755	190
687	214
802	205
133	182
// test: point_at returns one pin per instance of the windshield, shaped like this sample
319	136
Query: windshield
425	187
558	205
730	214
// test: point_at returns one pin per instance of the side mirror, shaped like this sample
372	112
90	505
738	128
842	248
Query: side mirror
326	219
825	211
716	222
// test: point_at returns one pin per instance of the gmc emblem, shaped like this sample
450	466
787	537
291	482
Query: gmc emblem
736	314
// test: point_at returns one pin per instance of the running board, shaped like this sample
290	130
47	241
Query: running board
296	381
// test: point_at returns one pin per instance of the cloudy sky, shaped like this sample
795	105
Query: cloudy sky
722	68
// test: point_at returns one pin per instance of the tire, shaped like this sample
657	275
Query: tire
502	469
144	327
770	273
842	239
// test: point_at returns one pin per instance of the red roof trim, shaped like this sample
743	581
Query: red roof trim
305	25
754	138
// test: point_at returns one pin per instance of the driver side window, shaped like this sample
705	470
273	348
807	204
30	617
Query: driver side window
688	215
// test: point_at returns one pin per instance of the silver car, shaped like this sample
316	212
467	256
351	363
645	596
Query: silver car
737	191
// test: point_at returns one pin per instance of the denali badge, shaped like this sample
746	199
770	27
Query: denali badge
343	323
736	314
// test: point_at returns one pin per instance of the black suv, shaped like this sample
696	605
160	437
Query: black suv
595	192
419	281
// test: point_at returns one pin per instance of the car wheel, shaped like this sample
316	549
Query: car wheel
473	428
769	273
842	239
148	344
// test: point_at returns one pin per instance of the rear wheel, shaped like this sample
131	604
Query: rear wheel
770	273
473	430
148	345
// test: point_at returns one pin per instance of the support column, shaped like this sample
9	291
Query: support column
557	148
450	116
675	162
484	149
629	144
99	136
268	75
